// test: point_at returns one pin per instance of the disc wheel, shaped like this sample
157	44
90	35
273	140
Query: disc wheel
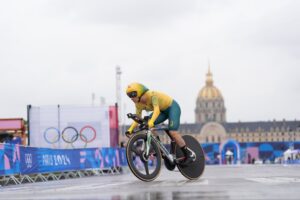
144	167
195	169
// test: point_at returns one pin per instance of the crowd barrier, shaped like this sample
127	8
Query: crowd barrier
29	164
296	162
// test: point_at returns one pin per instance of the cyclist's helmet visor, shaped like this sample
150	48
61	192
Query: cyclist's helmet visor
132	94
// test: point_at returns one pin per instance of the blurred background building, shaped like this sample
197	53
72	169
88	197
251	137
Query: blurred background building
211	126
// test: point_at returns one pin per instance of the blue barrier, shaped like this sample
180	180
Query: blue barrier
15	159
9	159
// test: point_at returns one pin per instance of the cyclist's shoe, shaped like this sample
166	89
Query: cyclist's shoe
190	156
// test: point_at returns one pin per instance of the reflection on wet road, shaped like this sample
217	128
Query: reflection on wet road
175	195
217	182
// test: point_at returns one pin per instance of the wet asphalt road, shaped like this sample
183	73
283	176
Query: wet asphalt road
217	182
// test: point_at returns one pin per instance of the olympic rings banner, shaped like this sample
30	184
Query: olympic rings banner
15	159
66	127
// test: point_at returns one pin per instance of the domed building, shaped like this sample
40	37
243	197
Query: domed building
210	103
248	141
210	112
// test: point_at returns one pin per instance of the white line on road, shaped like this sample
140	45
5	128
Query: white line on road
92	186
275	180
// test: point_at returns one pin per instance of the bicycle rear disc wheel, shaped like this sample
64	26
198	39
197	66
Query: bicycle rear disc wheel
143	167
195	169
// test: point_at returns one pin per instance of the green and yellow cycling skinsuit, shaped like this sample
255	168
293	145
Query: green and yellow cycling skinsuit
163	107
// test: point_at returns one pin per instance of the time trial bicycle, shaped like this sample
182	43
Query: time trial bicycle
145	151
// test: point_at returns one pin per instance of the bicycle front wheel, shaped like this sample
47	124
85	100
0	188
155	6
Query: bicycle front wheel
145	167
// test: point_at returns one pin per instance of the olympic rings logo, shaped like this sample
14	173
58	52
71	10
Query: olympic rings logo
70	135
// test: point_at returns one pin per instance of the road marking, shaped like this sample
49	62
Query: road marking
168	183
275	180
91	186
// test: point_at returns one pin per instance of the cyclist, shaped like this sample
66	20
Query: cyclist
163	107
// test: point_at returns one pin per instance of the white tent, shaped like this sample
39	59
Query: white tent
228	153
289	153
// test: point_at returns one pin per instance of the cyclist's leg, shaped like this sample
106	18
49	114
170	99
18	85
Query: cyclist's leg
174	122
161	118
174	113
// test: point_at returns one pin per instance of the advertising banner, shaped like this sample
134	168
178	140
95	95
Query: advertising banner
15	159
114	126
122	154
71	127
9	159
41	160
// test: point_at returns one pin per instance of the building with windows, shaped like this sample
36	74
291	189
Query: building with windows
263	140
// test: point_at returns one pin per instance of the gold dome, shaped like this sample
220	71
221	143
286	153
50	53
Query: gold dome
209	91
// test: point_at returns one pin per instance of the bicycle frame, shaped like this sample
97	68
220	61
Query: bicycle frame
150	137
161	146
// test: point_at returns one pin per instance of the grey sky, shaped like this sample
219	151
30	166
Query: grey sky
60	52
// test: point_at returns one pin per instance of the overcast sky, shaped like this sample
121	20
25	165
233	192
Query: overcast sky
60	52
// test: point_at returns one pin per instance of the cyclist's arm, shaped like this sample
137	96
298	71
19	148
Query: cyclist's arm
156	110
138	112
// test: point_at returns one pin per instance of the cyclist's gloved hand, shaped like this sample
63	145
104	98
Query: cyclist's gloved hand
150	124
128	133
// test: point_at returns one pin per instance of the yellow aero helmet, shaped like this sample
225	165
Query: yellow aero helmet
136	90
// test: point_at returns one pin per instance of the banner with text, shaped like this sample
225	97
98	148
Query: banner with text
15	159
42	160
